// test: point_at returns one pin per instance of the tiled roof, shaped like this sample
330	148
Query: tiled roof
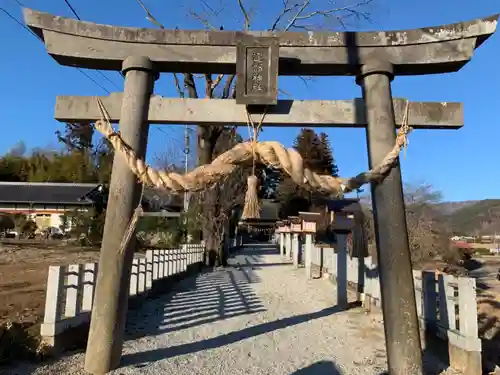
158	199
344	205
44	192
269	210
75	193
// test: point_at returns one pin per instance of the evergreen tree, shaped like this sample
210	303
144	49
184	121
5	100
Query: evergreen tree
308	144
77	136
317	155
328	165
294	198
270	178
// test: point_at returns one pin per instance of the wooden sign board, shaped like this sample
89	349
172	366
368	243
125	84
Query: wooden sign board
309	221
308	227
257	61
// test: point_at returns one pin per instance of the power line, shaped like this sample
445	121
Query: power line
18	22
20	4
170	136
72	9
8	14
93	80
109	80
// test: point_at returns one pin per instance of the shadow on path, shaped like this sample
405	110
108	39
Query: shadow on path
226	339
207	298
319	368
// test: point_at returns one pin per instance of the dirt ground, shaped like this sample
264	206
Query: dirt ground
23	277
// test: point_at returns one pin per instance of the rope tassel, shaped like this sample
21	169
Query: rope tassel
251	210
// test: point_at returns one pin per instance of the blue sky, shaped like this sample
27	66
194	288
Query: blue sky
461	163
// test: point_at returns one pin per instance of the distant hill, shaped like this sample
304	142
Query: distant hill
447	208
473	217
468	217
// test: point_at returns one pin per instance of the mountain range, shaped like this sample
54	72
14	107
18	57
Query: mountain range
481	217
467	218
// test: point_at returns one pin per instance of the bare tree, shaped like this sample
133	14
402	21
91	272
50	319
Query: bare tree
215	206
171	158
428	234
293	15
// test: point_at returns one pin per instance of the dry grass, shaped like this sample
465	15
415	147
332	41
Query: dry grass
23	277
23	280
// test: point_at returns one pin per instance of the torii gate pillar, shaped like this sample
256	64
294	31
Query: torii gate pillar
402	336
110	305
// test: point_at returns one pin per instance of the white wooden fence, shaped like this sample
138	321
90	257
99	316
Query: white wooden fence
446	304
70	289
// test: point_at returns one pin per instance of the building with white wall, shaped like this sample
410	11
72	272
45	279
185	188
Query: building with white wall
47	202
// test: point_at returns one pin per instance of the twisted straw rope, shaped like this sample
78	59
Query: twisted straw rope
251	208
270	153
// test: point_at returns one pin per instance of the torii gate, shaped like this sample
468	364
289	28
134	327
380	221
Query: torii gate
374	58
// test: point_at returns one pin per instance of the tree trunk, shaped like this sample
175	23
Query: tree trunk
211	251
207	137
222	255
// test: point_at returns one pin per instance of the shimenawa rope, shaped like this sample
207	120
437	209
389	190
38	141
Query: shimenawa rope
271	153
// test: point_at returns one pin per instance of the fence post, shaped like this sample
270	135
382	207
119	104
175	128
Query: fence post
149	269
419	295
341	270
74	291
161	264
179	259
308	255
156	264
446	294
53	299
282	244
429	292
171	262
467	308
295	250
183	259
184	250
89	280
134	277
180	252
141	276
169	265
465	348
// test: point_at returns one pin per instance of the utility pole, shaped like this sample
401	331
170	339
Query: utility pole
186	193
186	156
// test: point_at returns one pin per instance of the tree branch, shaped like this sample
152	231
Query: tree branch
180	91
352	10
190	86
203	20
245	15
226	92
299	12
217	81
208	86
286	9
149	16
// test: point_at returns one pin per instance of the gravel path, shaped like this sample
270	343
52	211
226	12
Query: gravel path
259	316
